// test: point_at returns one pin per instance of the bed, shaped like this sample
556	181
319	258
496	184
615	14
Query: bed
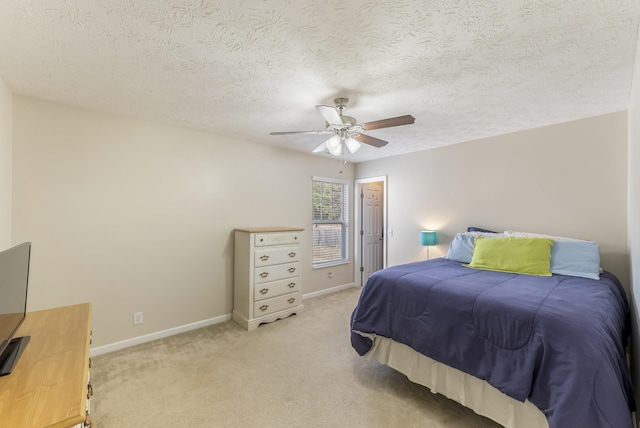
525	350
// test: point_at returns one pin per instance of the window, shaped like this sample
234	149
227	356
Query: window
330	221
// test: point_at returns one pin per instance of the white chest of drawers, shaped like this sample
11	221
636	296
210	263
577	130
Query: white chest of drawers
266	281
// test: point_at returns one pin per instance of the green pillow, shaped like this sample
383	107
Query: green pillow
529	256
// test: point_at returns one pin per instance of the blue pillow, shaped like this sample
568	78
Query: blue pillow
461	249
576	258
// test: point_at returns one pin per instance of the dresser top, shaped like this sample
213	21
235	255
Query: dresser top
48	385
269	229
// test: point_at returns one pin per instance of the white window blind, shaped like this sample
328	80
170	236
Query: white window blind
330	221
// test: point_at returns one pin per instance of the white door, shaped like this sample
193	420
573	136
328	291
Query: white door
372	226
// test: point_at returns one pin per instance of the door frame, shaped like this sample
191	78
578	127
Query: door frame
357	236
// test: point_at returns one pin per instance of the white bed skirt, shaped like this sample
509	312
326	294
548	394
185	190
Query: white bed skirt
467	390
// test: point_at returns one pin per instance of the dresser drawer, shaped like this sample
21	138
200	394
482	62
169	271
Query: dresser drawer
276	255
275	304
264	239
274	273
276	288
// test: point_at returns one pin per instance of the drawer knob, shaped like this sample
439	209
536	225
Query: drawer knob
291	270
292	254
263	307
264	258
291	284
291	300
89	390
264	274
264	291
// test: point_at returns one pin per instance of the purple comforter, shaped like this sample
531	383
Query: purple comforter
558	341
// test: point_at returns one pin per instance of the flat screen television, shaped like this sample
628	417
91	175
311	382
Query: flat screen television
14	281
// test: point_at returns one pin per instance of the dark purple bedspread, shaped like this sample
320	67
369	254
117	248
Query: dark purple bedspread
558	341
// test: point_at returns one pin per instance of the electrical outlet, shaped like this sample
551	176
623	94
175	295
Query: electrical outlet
329	276
137	318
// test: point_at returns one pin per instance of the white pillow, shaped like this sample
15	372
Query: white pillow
486	234
517	234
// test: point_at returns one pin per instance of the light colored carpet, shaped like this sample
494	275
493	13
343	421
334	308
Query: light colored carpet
296	372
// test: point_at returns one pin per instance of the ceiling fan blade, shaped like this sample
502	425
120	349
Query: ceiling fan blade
301	132
330	114
387	123
372	141
321	148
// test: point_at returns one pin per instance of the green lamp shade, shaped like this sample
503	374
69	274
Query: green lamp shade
428	238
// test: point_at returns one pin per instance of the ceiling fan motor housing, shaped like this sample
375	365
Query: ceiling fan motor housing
341	103
348	121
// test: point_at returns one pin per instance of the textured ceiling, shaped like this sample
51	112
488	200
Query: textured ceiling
243	68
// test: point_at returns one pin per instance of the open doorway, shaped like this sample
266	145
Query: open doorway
371	227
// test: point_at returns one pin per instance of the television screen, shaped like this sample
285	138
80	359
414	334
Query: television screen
14	280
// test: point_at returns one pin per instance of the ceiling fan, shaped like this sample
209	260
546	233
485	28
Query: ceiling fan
347	131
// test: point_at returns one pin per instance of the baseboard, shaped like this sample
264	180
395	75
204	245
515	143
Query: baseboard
328	291
99	350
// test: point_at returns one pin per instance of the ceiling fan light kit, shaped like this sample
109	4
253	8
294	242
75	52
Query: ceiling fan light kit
334	145
352	144
347	131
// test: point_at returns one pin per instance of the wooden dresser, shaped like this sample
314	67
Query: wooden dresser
49	386
266	282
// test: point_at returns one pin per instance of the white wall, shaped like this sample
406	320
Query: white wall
568	179
136	216
634	219
6	121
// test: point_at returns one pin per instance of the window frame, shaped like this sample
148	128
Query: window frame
343	222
